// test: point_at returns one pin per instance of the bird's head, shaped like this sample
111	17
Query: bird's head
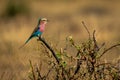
43	20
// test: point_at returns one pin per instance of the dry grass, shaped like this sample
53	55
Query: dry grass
65	19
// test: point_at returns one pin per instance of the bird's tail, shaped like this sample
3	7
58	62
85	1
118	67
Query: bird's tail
25	42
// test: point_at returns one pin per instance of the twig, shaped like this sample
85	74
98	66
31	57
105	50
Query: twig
108	49
46	44
78	66
103	64
32	70
39	75
78	63
50	70
95	42
1	77
103	44
86	28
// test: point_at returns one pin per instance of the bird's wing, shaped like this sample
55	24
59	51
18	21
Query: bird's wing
35	30
33	33
30	36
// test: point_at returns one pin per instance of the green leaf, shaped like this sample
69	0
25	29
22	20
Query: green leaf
64	64
59	55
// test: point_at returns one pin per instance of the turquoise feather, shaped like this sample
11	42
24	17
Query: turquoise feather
36	34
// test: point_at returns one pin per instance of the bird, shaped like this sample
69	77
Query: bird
37	32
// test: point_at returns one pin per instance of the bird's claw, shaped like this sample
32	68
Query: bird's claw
38	39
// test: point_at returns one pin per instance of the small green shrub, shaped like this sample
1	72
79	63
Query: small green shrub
86	64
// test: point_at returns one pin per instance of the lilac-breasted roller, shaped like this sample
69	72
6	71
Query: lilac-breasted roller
37	32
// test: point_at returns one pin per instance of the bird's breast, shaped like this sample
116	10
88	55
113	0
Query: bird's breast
42	28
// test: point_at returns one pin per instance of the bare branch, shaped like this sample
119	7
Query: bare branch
103	44
86	28
39	75
103	64
50	70
46	44
108	49
32	70
95	42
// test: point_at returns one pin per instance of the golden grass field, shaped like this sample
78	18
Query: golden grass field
65	19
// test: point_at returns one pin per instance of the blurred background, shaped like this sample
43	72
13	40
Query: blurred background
19	17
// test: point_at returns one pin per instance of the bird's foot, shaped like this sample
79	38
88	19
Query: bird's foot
38	39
